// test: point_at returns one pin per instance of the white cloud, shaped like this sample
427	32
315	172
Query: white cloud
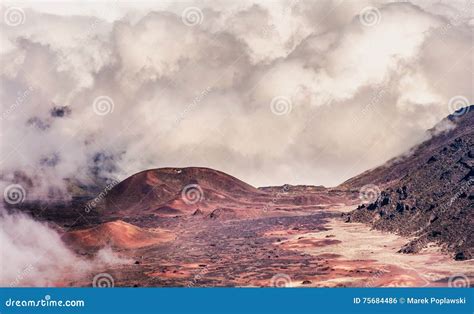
200	95
33	254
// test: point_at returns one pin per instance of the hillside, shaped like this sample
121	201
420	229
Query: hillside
428	194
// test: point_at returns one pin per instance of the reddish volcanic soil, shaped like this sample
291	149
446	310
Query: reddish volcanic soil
270	237
202	227
117	234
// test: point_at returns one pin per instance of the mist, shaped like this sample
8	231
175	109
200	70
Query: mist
33	255
291	92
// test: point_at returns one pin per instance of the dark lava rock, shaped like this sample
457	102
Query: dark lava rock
372	206
385	201
432	159
428	195
222	213
460	256
198	212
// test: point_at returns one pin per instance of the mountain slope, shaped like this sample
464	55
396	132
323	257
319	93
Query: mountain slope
441	135
169	190
429	194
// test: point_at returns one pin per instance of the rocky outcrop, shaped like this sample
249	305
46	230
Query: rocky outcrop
434	201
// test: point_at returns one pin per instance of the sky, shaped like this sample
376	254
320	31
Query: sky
271	92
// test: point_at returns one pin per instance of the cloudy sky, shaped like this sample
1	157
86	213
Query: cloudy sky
309	92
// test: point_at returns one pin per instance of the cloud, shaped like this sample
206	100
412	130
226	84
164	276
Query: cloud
33	254
181	95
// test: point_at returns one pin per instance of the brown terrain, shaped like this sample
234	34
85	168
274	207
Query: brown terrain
412	225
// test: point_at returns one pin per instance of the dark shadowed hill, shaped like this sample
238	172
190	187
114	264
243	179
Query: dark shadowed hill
174	192
177	187
439	136
428	194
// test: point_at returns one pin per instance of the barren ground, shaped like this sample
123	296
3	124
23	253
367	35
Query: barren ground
311	248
